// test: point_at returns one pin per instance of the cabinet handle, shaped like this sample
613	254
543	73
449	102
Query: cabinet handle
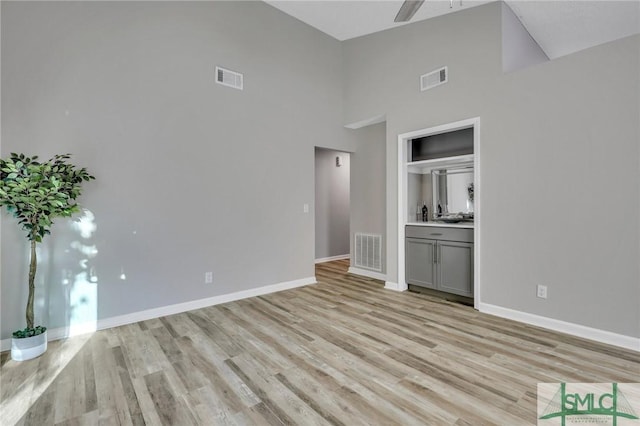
436	233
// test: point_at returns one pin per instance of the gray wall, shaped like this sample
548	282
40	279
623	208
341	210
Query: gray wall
519	49
191	176
554	137
332	203
368	200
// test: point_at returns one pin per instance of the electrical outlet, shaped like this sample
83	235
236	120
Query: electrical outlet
542	291
305	208
208	277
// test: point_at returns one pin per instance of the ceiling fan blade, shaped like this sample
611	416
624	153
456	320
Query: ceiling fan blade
407	10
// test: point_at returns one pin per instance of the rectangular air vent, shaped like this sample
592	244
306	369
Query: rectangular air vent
434	78
229	78
368	251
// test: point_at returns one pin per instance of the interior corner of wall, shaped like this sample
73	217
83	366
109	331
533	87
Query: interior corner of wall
519	48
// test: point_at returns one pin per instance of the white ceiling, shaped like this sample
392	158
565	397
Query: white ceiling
559	27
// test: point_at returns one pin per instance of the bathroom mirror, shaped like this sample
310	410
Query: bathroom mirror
453	190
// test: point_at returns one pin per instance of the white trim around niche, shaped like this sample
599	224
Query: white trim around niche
403	138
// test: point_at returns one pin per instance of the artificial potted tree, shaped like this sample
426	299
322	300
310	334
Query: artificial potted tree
36	193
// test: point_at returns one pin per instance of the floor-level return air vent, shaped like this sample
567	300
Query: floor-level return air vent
229	78
368	251
434	78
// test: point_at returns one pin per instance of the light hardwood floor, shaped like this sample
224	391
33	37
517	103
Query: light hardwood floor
342	352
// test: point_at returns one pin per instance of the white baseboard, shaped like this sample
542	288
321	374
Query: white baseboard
368	274
332	258
395	286
578	330
64	332
391	286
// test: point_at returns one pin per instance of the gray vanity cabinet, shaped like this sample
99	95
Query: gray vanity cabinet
440	259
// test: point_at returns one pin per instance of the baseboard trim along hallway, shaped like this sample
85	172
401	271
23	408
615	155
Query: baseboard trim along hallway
368	274
332	258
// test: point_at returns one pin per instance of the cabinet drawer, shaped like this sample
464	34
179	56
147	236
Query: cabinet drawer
464	235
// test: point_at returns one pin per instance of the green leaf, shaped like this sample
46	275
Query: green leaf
36	193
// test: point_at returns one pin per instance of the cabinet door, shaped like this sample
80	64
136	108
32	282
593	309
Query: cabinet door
455	267
419	263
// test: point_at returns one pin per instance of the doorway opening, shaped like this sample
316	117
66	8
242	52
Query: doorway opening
332	204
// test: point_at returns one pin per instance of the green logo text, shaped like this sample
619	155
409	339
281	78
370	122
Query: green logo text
591	404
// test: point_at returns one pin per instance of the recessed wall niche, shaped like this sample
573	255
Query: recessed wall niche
449	144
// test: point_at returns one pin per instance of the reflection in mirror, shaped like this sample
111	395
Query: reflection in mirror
453	190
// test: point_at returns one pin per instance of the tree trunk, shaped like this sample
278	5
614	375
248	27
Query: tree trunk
32	287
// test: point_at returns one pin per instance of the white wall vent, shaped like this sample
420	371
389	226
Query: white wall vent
229	78
368	251
434	78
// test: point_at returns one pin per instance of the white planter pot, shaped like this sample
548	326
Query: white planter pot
28	347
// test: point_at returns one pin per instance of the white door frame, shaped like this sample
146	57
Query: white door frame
402	197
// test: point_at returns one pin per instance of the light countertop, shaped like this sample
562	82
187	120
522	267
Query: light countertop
442	224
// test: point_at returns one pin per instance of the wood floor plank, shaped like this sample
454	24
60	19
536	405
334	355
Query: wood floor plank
256	384
213	356
146	402
167	404
211	329
321	400
217	381
110	393
43	411
69	382
128	391
344	351
167	343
